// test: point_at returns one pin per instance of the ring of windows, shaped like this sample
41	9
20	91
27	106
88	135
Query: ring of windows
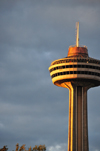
75	66
75	72
87	60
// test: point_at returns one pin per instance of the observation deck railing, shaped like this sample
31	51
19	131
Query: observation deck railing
78	46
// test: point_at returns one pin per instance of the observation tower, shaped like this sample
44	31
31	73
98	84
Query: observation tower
77	72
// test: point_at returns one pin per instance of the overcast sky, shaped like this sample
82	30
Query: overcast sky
33	33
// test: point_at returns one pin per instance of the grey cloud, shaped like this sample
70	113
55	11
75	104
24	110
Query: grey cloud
33	27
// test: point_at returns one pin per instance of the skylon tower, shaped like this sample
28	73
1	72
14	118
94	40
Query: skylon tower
77	72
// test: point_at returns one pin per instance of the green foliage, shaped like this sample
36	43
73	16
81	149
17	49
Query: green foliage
22	148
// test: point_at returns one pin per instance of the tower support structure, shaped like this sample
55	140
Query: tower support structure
78	126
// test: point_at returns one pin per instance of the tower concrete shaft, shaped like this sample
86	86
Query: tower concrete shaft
78	126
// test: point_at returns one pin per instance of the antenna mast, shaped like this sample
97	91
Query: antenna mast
77	34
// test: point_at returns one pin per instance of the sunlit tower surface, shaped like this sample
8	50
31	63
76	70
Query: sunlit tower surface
77	72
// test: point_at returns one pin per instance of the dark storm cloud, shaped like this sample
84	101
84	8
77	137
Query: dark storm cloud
32	34
39	23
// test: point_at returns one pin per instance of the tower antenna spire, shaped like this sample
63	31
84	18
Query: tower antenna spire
77	34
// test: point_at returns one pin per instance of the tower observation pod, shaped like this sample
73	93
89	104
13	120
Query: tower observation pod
77	72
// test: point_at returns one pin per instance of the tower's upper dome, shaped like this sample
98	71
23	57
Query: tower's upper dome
77	51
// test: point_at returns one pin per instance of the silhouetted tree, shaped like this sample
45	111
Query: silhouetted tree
30	149
35	148
17	147
4	148
22	148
